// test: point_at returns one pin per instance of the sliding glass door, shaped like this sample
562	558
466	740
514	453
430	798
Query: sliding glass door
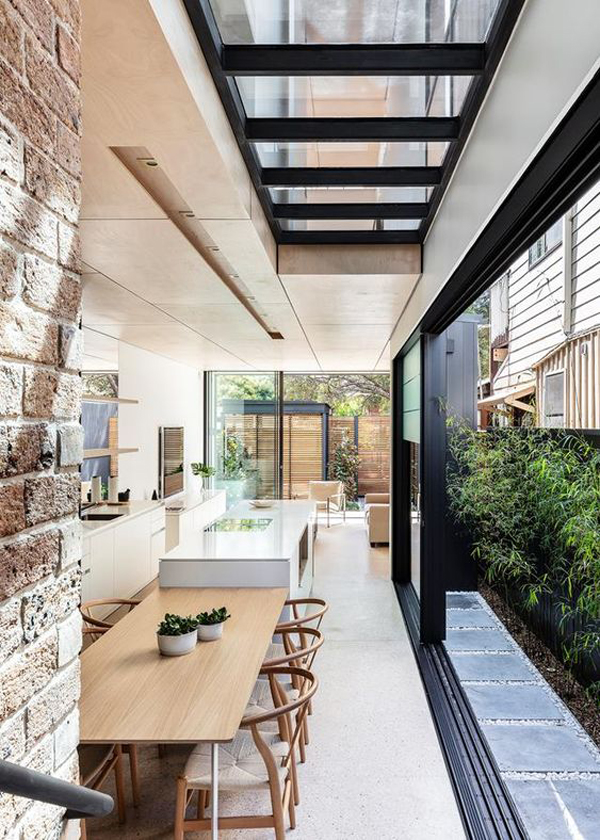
411	434
243	434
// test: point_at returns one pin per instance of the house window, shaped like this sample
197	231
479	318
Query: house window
546	243
554	400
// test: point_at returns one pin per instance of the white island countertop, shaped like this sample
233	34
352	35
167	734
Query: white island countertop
278	541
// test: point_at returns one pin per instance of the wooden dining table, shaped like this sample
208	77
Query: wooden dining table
132	695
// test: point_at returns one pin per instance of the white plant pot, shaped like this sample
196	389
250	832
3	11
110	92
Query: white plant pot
177	645
210	632
200	481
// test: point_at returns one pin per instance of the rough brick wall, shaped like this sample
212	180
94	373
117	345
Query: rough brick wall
40	436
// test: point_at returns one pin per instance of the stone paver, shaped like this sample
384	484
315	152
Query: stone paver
512	702
491	666
528	728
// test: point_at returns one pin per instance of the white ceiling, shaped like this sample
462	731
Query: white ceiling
144	282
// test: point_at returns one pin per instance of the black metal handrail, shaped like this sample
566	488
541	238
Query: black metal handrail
80	802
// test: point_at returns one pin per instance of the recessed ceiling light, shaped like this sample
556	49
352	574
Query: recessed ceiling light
213	248
148	161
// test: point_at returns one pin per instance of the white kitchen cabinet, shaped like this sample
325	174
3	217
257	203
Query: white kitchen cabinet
157	540
132	555
193	517
100	578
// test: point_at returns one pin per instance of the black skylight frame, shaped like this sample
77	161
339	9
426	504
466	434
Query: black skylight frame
225	61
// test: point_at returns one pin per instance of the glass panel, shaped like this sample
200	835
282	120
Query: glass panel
348	195
411	432
352	21
313	154
350	96
243	434
349	224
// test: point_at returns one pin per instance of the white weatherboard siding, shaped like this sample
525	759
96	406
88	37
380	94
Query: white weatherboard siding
169	394
536	296
552	54
585	290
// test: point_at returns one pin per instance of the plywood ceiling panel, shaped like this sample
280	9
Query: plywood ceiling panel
105	302
368	299
176	342
153	259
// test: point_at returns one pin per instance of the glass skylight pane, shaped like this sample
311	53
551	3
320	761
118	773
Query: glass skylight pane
313	154
348	224
351	96
348	195
352	21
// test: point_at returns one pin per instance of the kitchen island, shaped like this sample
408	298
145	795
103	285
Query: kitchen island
248	547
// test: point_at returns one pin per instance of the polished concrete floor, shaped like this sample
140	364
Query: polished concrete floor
374	769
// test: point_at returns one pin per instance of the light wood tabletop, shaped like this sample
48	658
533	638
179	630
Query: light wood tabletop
132	694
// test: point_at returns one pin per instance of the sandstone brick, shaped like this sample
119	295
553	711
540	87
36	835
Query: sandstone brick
27	673
41	822
25	334
68	53
27	560
11	808
69	11
69	248
38	15
50	288
25	449
11	629
70	347
51	497
11	164
68	150
51	186
11	390
12	511
50	394
70	543
52	704
27	222
70	445
12	738
69	638
25	111
50	602
51	85
11	42
66	738
10	271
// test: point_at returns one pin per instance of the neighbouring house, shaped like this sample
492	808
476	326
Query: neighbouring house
545	327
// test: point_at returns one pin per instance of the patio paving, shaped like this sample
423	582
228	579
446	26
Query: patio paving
549	764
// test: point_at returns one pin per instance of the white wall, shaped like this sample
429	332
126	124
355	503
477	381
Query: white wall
553	52
169	394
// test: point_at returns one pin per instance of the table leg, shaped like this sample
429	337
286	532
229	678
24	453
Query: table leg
214	803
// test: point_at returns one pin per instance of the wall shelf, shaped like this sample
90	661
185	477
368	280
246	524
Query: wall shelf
101	453
119	400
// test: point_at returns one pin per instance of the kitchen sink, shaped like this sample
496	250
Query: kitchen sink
100	517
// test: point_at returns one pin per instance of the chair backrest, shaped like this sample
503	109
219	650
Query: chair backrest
90	620
320	491
377	498
300	644
282	712
317	608
93	633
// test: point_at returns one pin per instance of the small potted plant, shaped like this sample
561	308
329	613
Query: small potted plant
177	635
202	471
210	624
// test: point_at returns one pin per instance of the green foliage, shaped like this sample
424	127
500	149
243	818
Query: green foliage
344	466
347	394
202	469
531	502
237	462
213	617
176	625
